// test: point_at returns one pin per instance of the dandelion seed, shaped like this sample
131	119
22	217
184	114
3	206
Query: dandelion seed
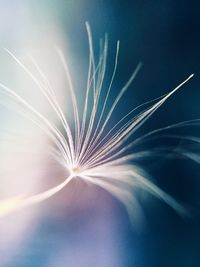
94	153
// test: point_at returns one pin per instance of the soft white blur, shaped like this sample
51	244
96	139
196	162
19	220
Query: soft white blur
25	165
22	145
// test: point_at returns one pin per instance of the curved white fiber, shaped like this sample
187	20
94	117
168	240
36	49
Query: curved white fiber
30	108
119	140
73	96
15	203
57	107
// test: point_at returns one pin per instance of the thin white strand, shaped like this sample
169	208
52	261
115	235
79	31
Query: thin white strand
155	190
61	116
117	99
94	145
91	51
15	96
124	196
88	86
147	138
73	96
62	152
133	127
41	126
10	205
91	76
106	99
42	89
95	104
82	139
194	122
105	150
100	151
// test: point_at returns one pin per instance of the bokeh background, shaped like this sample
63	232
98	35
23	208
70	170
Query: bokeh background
84	226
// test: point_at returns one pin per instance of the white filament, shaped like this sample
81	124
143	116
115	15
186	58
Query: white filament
92	154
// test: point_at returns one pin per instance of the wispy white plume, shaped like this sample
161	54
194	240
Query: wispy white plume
88	149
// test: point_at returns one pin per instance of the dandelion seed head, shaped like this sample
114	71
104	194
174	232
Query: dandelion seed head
92	152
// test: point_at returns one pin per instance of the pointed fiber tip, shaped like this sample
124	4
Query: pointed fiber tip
189	77
6	50
139	66
87	24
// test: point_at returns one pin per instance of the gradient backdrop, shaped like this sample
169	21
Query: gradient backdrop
84	226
